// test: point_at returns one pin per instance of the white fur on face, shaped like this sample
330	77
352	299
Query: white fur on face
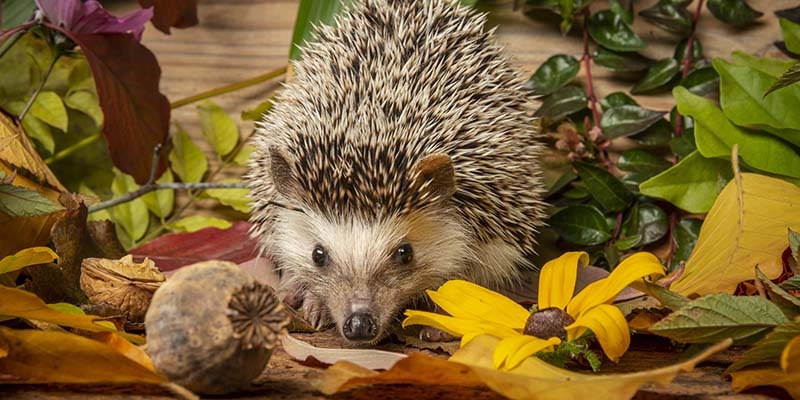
361	263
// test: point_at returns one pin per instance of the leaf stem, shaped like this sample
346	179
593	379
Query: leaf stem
74	148
229	88
687	61
587	62
150	187
24	112
673	220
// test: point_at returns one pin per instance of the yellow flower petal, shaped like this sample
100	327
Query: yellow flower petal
608	325
514	349
456	326
605	290
790	356
557	279
467	300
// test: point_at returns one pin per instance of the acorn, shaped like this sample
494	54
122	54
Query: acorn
212	328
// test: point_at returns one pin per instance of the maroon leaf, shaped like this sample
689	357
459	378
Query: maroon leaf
168	13
136	114
178	249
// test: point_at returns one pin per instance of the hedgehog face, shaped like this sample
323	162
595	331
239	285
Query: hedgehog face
365	272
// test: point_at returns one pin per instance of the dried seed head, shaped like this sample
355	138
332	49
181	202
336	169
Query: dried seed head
258	316
548	323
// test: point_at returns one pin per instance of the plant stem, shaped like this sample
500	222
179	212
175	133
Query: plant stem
36	92
687	61
10	42
74	148
673	220
587	62
229	88
149	187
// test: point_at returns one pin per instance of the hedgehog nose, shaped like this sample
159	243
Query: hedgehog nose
360	326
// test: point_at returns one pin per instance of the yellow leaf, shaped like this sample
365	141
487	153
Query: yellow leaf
745	227
22	304
557	279
125	348
24	258
51	356
533	379
750	378
790	356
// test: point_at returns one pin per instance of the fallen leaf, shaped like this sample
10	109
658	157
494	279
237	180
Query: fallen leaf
24	258
176	250
372	359
745	227
768	350
23	304
750	378
125	348
49	356
18	153
533	379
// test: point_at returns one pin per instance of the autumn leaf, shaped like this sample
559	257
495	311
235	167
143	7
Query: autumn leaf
750	378
24	258
534	378
745	227
125	348
365	358
172	13
51	356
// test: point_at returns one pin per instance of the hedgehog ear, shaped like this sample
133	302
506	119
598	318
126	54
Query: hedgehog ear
437	170
281	167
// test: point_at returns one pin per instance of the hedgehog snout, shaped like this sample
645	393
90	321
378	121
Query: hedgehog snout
361	323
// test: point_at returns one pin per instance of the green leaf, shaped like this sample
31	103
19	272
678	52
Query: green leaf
49	108
791	35
657	76
692	185
684	144
40	132
18	201
196	222
733	12
610	30
161	202
715	136
771	66
581	224
131	216
560	183
648	222
702	81
685	234
256	113
669	16
628	243
625	12
680	51
628	120
606	189
219	128
790	77
768	350
638	160
789	304
742	99
312	13
620	62
86	102
186	159
657	134
792	283
563	102
666	297
553	74
236	198
15	12
715	317
243	156
617	99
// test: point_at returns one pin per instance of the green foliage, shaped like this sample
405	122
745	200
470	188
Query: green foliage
692	184
610	30
567	352
685	233
715	317
791	35
658	75
620	61
186	159
606	189
161	202
789	304
17	201
132	216
219	129
312	13
768	350
15	12
626	120
235	198
563	102
581	224
553	74
733	12
194	223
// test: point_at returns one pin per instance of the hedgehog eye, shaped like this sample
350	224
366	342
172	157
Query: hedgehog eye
320	256
404	254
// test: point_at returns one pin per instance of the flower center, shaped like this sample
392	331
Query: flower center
548	323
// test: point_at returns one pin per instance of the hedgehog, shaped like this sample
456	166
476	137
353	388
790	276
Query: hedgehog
403	153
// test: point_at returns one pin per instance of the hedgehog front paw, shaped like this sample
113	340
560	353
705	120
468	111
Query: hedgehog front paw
315	312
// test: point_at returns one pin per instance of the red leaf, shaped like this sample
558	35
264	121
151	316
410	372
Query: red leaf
136	114
167	13
178	249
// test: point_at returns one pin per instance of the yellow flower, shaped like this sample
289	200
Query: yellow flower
475	310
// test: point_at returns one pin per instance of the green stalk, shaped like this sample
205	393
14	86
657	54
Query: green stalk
74	148
10	42
35	94
229	88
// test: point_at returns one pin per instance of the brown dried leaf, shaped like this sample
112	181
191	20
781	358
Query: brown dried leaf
373	359
124	284
169	13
